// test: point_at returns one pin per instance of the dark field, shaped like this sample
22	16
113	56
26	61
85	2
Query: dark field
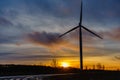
49	73
88	75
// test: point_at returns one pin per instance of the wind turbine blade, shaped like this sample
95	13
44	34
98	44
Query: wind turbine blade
81	12
69	31
92	32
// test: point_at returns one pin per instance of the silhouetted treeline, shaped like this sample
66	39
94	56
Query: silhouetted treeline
10	70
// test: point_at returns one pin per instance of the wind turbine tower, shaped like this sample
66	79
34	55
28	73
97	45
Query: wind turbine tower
80	26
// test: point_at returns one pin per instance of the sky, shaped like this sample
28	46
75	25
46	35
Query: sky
29	31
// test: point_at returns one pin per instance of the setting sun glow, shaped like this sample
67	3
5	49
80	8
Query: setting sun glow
65	64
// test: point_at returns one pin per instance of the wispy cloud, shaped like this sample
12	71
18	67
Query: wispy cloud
117	57
5	22
112	34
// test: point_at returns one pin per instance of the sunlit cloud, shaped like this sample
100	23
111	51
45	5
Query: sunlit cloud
117	57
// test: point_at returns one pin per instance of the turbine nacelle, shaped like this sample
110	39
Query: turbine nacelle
84	29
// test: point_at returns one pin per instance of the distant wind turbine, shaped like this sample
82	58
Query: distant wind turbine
80	26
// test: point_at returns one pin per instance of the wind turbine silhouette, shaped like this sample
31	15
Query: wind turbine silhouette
80	26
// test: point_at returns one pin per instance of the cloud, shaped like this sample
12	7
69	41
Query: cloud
117	57
5	53
42	57
32	57
11	39
10	33
5	22
113	34
44	38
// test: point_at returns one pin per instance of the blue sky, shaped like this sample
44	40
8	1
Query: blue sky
29	28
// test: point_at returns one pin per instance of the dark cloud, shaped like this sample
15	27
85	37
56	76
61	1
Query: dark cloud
14	56
5	53
44	38
39	57
5	22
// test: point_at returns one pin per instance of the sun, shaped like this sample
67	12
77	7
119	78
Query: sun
65	64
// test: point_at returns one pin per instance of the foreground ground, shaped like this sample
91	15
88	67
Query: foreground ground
20	70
